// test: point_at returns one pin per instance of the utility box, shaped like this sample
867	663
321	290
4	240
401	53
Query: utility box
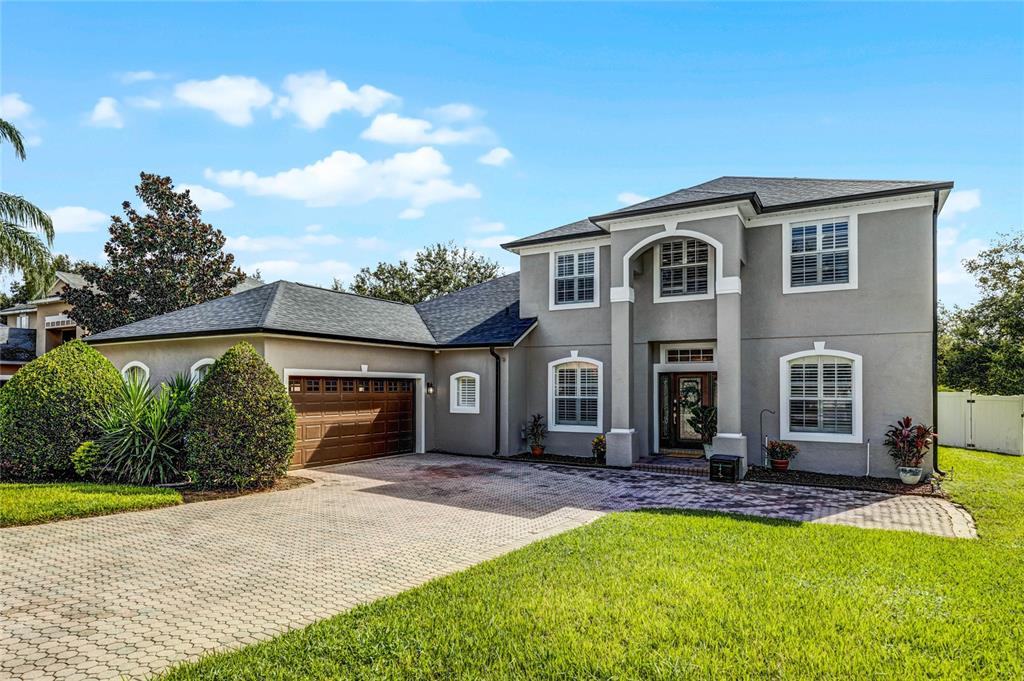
725	468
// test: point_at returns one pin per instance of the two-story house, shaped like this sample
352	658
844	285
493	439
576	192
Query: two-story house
803	309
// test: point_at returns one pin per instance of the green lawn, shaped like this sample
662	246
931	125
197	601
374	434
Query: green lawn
27	504
669	595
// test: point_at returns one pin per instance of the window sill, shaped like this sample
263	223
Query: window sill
464	410
684	299
574	306
836	438
821	288
573	429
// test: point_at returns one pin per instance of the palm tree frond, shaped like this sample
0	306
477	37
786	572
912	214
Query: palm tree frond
22	250
16	210
9	133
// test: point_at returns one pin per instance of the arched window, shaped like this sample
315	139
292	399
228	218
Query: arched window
820	395
137	369
199	369
575	395
464	390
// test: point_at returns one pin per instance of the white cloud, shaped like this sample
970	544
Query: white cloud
231	98
106	114
314	228
206	198
312	97
319	272
454	112
76	219
13	107
411	214
391	128
490	241
420	177
497	156
628	198
129	77
151	103
487	227
279	242
371	243
961	202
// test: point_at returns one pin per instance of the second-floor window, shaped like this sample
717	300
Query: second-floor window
574	280
683	268
820	253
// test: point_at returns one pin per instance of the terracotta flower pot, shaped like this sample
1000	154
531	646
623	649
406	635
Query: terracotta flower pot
780	464
537	450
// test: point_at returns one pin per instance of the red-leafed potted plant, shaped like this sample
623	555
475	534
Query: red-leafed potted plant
908	444
780	453
536	431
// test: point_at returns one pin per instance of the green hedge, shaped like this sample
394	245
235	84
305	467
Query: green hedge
49	407
241	432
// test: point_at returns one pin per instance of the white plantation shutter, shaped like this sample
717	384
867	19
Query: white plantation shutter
467	392
577	393
574	277
820	253
821	394
683	268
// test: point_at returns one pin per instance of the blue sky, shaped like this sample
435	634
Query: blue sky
327	137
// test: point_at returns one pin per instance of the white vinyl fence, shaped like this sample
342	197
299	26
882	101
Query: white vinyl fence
990	422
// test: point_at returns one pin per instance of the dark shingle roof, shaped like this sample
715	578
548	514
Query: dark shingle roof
480	315
19	346
570	231
487	313
767	194
23	307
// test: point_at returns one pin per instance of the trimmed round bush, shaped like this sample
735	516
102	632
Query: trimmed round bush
49	407
241	432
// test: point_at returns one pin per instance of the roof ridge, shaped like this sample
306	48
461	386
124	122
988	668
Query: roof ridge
346	293
267	305
808	179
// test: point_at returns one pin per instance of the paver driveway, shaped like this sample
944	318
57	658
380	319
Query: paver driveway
131	594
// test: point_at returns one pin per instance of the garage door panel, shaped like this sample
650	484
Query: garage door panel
345	419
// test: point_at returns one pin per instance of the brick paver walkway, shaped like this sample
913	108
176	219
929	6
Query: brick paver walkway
134	593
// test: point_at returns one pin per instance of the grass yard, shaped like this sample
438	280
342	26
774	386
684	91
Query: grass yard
670	595
28	504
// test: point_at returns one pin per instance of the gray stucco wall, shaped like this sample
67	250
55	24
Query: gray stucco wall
170	357
464	433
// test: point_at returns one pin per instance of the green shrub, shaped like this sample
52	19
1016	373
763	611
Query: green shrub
143	432
49	407
85	459
241	432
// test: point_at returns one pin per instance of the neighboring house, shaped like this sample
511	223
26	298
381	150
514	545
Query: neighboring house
48	320
814	299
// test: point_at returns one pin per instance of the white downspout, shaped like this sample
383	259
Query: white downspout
868	462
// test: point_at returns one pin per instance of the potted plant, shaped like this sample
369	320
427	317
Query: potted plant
599	446
704	421
536	431
781	453
908	444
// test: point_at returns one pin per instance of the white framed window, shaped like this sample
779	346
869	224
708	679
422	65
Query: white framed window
575	279
464	393
135	369
819	255
575	395
683	269
199	369
22	322
821	396
688	353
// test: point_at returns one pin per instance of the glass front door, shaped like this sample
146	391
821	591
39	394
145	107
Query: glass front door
678	395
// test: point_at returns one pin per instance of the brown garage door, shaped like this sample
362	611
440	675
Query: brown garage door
344	419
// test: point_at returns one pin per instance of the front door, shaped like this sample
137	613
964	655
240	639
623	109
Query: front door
678	393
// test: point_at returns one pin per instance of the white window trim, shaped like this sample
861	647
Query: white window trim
858	397
573	358
194	370
787	251
22	322
707	366
656	285
135	365
553	268
453	393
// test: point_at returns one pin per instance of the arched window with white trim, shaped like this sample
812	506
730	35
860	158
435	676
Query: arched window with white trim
199	369
464	391
821	395
135	369
575	395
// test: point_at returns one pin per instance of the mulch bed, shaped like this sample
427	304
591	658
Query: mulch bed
807	478
190	494
558	458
